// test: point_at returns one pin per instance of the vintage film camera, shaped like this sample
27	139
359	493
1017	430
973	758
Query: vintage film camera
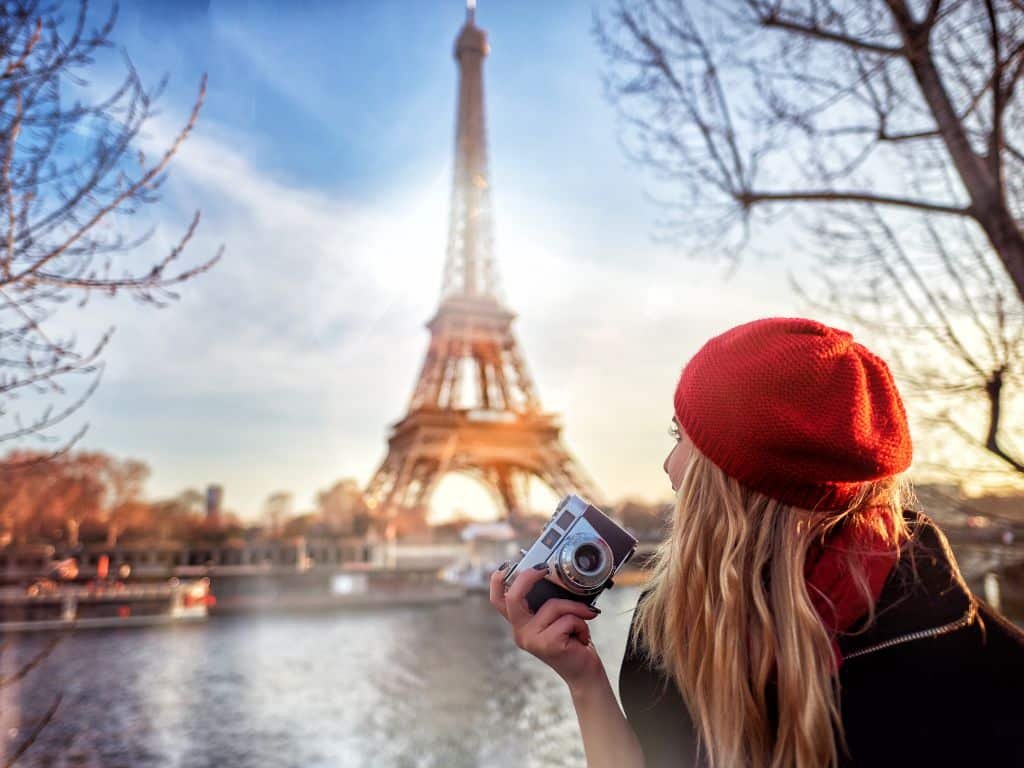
583	548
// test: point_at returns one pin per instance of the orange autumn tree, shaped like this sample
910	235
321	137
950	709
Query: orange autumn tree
51	500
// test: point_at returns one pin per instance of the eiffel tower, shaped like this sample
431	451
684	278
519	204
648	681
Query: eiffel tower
495	430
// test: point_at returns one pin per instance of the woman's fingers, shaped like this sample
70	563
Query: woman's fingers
556	608
557	634
552	618
515	599
562	633
497	590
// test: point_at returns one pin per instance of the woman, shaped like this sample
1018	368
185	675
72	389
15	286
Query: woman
797	614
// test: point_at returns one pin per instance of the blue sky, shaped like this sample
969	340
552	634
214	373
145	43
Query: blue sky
322	161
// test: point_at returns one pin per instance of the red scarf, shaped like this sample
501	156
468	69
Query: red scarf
833	591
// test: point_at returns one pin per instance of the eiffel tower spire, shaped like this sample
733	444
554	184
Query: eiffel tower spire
494	429
469	267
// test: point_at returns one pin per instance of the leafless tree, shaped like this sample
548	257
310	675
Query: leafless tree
71	172
892	131
32	729
937	301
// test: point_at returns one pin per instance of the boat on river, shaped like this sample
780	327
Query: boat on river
50	605
487	545
147	582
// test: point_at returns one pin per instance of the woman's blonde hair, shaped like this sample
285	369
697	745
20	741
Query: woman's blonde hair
729	618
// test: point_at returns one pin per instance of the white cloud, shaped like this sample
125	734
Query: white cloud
283	367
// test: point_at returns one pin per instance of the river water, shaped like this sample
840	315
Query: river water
440	686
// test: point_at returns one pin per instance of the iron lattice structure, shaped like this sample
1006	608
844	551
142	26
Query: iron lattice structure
474	408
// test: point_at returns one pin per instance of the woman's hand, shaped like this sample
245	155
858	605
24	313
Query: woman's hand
557	634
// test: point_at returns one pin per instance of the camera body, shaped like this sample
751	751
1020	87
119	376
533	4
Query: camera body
583	548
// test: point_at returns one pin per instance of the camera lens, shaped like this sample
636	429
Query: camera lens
584	562
587	558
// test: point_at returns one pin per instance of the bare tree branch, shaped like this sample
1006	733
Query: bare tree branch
888	131
63	213
748	199
34	662
33	734
772	19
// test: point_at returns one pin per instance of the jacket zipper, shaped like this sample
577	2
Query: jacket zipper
966	620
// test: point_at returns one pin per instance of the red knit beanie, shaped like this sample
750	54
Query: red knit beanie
795	410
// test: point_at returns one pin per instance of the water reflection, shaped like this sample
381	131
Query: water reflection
442	686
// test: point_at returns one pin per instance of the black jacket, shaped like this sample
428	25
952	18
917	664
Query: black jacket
954	699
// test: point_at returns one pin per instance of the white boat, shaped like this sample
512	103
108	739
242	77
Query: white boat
488	545
49	605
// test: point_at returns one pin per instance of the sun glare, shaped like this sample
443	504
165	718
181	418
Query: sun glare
460	496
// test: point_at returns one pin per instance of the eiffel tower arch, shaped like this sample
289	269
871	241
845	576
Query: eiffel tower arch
474	408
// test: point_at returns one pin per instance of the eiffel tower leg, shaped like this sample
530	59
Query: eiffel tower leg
396	497
380	485
484	382
429	475
391	482
511	497
565	476
435	471
503	388
414	510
